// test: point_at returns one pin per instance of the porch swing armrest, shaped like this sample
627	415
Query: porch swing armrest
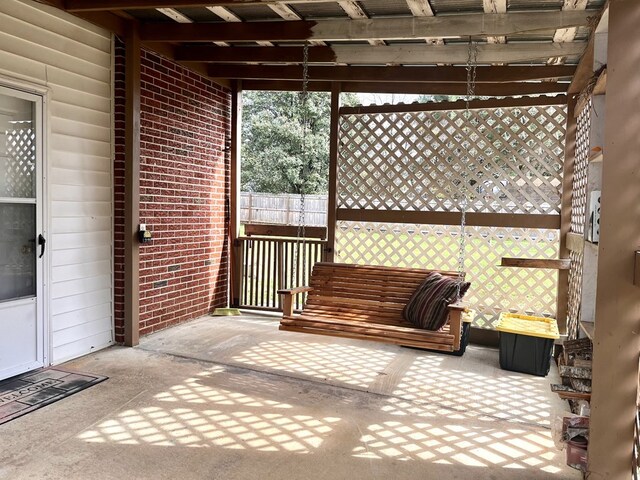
294	291
287	298
458	306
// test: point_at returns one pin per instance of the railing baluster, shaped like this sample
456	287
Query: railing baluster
245	272
254	288
280	262
268	265
269	278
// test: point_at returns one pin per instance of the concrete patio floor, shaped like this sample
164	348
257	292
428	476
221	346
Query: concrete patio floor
234	398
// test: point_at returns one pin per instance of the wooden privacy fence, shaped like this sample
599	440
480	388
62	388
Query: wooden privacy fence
282	209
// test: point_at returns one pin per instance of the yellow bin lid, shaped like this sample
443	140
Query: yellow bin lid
528	325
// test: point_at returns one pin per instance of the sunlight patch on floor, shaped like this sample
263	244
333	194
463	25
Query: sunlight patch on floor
347	364
508	396
239	430
460	444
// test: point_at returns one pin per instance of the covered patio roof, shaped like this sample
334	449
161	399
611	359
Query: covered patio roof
524	47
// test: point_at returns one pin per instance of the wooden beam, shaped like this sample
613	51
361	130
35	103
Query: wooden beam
584	71
54	3
332	201
617	309
391	73
378	55
270	230
562	295
552	263
449	218
132	189
484	89
459	105
456	53
107	20
234	143
411	28
209	53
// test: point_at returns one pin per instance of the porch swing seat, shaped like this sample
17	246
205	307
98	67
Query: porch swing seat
366	302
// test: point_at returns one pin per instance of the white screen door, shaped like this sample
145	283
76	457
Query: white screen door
21	242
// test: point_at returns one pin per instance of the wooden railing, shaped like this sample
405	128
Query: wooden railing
267	265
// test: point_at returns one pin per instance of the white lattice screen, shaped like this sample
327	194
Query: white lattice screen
578	210
494	288
19	178
510	159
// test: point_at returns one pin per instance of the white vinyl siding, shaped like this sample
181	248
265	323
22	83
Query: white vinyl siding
73	59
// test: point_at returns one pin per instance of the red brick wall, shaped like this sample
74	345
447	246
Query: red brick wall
184	178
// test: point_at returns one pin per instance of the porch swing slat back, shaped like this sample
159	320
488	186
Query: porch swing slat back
366	302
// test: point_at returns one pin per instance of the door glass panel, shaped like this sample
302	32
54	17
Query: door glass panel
17	251
17	148
17	198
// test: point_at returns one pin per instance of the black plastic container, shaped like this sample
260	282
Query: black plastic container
526	354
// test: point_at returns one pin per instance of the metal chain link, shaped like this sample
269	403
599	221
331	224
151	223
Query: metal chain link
472	61
301	234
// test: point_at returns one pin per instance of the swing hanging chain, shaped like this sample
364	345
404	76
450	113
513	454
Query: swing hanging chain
301	234
472	61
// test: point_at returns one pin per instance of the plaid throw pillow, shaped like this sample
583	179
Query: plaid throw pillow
427	307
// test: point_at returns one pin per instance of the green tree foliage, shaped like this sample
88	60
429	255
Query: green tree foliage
280	155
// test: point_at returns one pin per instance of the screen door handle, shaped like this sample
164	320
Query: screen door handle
42	242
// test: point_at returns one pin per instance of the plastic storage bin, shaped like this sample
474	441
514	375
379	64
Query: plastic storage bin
526	343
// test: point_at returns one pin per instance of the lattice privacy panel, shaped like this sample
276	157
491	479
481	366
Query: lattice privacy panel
509	159
494	289
18	178
578	211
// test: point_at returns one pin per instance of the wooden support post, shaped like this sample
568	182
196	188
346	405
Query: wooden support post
562	299
132	188
332	203
235	258
617	310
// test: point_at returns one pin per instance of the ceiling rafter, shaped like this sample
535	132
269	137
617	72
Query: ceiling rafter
404	28
355	11
230	17
422	8
495	6
567	34
287	13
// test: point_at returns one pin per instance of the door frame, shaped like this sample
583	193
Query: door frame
40	95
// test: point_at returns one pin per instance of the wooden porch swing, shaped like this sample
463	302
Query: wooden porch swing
368	302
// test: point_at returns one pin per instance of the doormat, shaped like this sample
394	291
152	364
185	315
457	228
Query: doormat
33	390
